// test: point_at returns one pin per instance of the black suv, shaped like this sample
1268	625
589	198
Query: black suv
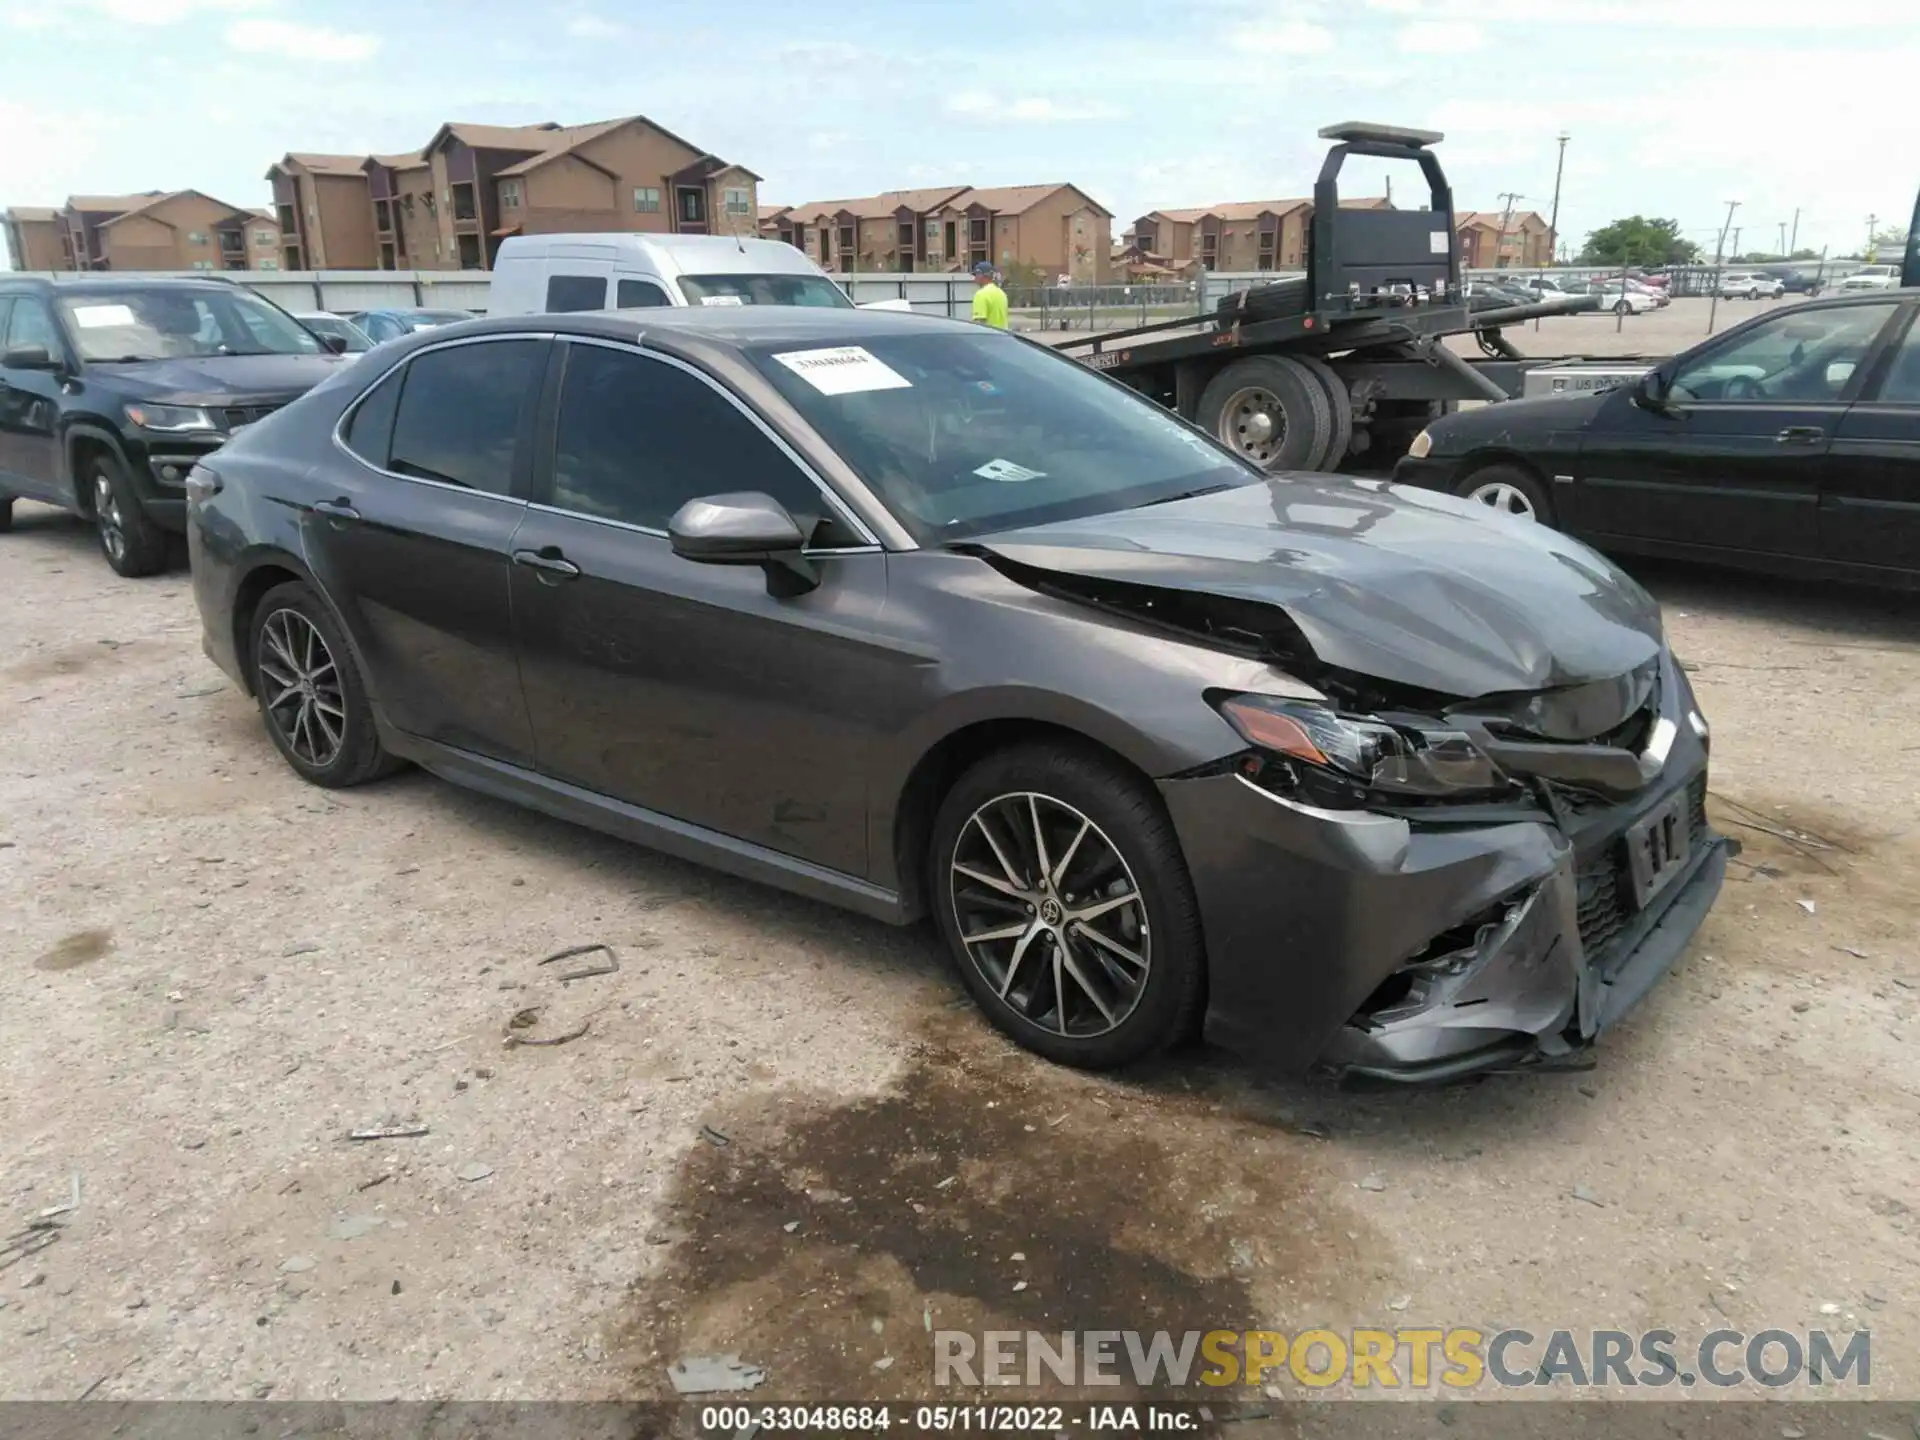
111	389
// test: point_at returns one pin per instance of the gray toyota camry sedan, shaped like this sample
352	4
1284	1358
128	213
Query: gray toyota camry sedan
921	619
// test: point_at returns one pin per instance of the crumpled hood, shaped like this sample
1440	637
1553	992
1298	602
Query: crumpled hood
216	379
1524	420
1399	584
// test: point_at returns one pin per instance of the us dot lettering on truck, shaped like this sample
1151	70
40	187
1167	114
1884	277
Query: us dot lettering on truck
843	370
1008	471
99	317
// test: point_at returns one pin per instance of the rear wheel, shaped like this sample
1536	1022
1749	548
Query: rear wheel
6	513
1509	490
133	544
1621	307
1339	410
310	691
1271	409
1064	901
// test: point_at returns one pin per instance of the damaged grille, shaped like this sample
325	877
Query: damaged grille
1604	887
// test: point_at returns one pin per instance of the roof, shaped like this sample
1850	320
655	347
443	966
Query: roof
1015	199
677	328
772	212
111	204
1491	218
412	160
163	197
882	205
1253	209
550	145
326	164
32	214
259	213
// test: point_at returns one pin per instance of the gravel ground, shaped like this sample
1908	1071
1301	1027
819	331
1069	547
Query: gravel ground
212	973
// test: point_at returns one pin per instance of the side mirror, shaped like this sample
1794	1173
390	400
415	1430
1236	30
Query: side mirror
334	344
28	357
745	528
1650	391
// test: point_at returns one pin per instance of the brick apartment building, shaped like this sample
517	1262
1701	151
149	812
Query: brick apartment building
157	230
448	205
1055	228
1496	240
1243	236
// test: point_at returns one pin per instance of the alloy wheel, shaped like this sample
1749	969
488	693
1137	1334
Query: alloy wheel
106	514
301	688
1507	499
1254	423
1050	914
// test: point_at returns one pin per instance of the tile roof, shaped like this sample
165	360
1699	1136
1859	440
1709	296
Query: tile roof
112	204
1015	199
880	206
32	214
327	164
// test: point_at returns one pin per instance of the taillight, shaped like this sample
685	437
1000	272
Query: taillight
202	485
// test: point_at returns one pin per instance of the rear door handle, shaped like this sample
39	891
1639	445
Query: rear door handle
1800	435
341	509
548	561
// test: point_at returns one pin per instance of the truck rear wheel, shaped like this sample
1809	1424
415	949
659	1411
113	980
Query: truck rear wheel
1271	409
1340	409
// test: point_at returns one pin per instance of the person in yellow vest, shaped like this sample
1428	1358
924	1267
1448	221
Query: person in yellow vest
989	300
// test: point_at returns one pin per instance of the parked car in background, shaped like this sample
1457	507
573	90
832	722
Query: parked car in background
1872	277
1750	285
111	389
383	325
919	618
1799	282
558	274
324	323
1791	444
1633	300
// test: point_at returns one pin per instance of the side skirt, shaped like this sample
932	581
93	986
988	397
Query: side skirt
649	828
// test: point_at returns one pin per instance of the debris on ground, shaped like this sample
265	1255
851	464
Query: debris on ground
1586	1196
1808	906
1373	1182
710	1374
714	1137
1314	1129
297	1264
575	952
885	1362
523	1020
474	1170
1849	950
389	1132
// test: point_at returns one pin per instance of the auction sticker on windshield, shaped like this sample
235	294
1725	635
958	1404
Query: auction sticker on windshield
723	300
99	317
843	370
1008	471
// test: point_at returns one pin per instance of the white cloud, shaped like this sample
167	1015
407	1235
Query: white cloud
1441	37
588	26
1284	37
167	12
1030	109
300	42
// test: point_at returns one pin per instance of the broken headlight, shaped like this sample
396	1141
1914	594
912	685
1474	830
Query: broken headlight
1342	761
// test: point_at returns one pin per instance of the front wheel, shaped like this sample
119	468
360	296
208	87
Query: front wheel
134	546
1622	308
310	691
1063	899
1509	490
6	513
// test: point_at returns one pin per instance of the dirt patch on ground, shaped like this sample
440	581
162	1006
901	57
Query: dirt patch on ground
986	1191
75	950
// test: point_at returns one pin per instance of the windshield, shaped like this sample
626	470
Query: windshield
156	324
346	330
814	290
432	319
962	433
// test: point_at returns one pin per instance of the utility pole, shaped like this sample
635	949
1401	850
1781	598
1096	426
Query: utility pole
1793	241
1783	239
1506	219
1559	169
1873	226
1736	243
1719	255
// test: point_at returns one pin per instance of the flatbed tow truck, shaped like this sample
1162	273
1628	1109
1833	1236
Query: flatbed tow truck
1345	366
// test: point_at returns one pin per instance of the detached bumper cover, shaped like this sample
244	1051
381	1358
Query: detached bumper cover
1525	941
1435	472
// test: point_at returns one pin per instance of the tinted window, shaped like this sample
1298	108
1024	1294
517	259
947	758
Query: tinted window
370	427
6	304
1799	355
157	324
576	292
639	438
814	290
1902	385
640	295
32	324
460	413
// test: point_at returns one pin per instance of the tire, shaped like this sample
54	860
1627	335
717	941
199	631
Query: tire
6	513
1128	848
1507	488
293	636
1239	406
1340	413
134	546
1621	307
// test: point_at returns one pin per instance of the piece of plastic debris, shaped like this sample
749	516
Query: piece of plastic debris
885	1362
1806	905
474	1170
1372	1182
946	1182
710	1374
877	1325
1019	1285
1018	1255
526	1019
791	1226
1829	1309
612	962
1399	1302
1586	1196
714	1137
389	1132
926	1316
73	1202
1849	950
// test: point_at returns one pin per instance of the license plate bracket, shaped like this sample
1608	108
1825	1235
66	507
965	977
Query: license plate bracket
1659	847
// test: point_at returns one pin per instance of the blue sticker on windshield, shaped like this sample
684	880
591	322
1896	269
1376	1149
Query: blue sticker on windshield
986	387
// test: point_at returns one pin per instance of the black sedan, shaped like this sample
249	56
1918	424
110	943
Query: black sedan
920	618
1789	444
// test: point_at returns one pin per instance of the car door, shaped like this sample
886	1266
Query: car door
409	526
684	688
30	403
1732	456
1870	500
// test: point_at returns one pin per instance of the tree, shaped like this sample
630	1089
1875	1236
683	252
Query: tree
1639	241
1894	237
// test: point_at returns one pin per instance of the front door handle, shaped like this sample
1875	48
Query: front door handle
548	560
340	510
1801	435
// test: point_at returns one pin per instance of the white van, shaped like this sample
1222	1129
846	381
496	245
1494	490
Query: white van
546	274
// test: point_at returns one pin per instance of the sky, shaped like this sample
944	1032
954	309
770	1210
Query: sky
1674	107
